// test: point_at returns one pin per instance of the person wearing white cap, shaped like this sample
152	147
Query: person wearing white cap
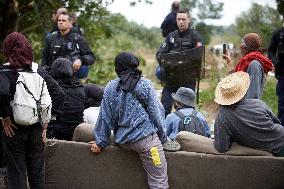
249	122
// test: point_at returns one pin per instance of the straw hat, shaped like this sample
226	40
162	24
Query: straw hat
232	88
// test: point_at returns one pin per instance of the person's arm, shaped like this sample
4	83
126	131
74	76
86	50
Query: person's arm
165	23
164	48
5	96
270	113
204	123
56	92
222	139
5	108
46	53
172	125
272	49
104	125
197	38
156	113
256	74
83	55
87	57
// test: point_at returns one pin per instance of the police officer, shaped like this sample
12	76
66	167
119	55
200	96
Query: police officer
276	54
170	24
184	38
67	44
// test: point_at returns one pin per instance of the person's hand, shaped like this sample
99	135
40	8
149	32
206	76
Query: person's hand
227	56
76	65
43	135
8	126
94	147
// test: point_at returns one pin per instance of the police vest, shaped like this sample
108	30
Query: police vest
179	43
64	47
280	48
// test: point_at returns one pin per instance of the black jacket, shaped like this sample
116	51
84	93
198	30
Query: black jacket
72	46
179	41
276	51
169	24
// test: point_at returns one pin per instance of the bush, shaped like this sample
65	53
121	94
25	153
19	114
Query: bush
269	94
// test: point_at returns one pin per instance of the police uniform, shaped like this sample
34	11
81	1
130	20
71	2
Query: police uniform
176	42
169	24
276	54
71	46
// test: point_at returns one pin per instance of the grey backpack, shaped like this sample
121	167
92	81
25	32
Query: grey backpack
191	123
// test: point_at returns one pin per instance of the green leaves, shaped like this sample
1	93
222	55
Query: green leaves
259	19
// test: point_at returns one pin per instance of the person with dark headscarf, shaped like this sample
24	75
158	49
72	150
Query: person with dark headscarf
94	97
71	114
254	63
131	109
24	145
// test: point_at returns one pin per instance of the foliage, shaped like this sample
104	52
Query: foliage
280	6
269	94
132	38
106	33
205	31
207	9
208	95
259	19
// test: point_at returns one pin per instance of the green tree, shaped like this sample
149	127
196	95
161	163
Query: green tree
207	9
280	6
260	19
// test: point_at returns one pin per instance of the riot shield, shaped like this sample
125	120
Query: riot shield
181	68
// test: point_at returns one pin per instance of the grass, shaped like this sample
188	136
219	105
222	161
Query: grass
207	95
269	94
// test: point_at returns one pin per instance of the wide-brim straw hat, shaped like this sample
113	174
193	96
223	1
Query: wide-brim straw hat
232	88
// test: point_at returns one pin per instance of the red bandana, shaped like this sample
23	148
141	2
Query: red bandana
246	60
17	50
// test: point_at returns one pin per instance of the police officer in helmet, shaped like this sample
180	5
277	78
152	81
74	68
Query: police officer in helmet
184	38
276	54
67	44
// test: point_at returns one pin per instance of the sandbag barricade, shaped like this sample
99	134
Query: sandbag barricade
71	164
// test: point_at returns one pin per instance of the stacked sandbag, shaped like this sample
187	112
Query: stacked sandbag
195	143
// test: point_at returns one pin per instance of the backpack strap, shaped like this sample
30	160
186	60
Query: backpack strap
6	70
181	123
194	113
142	102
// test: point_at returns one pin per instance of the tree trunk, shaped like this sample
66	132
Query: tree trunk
8	21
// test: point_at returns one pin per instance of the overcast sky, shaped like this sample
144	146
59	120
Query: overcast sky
153	15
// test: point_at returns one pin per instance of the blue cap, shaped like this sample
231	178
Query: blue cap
82	72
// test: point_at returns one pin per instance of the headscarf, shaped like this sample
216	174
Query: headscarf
61	69
94	94
252	42
126	68
18	51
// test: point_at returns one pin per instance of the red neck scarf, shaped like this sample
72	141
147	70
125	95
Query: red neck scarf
246	60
